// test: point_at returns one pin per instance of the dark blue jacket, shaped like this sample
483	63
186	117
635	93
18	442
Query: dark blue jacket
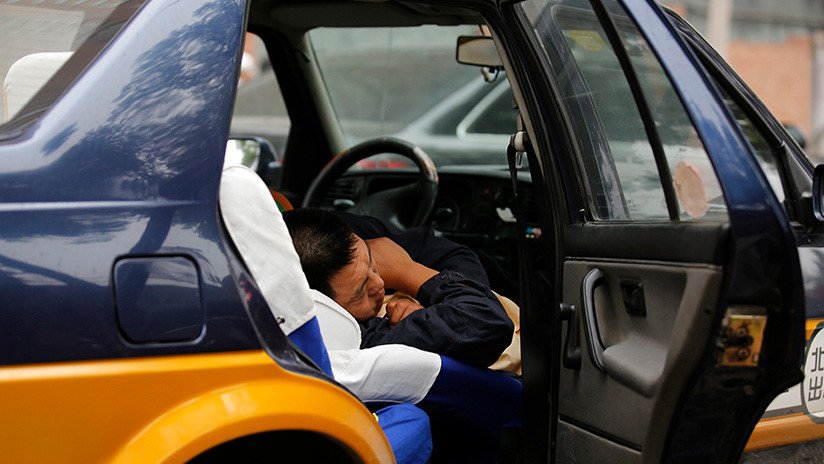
463	319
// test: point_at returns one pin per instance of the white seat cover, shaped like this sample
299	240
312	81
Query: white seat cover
339	329
392	373
256	226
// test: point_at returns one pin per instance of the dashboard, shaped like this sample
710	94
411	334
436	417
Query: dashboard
474	207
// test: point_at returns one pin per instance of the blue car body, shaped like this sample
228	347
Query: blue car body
126	164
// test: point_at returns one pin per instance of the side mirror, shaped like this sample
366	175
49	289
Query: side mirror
478	50
818	193
257	154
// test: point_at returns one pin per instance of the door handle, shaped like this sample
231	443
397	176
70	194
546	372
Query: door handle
572	344
592	280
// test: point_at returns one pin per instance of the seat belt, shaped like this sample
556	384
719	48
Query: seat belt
518	148
515	153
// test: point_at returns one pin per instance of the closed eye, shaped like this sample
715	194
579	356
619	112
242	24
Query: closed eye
362	288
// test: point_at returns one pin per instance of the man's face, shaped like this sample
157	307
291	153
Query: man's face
357	287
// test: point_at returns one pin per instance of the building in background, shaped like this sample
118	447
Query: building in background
778	48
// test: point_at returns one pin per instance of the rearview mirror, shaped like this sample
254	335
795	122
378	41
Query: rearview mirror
478	51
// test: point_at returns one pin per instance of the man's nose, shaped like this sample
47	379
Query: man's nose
375	283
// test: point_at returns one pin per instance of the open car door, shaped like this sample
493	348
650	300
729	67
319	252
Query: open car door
682	295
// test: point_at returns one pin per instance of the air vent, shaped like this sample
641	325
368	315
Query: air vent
343	189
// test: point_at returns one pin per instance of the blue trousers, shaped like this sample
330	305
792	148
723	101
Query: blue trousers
405	426
468	407
407	429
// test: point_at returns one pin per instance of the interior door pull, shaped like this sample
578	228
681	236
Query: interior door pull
592	280
572	345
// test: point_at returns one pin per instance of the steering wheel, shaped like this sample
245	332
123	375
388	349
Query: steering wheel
400	207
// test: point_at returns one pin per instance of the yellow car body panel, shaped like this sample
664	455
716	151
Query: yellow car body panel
170	409
787	429
784	430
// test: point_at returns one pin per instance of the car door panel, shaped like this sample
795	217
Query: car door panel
644	356
679	242
579	445
790	175
663	391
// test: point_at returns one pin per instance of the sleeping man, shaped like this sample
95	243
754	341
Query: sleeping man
354	259
388	378
458	318
258	233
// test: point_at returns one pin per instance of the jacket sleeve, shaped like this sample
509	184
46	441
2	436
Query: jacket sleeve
441	254
462	319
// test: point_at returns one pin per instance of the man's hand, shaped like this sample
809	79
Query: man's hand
396	267
399	308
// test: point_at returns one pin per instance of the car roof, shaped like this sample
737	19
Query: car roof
297	17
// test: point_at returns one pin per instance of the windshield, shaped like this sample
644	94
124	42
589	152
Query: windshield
405	82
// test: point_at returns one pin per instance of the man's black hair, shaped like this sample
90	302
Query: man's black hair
324	242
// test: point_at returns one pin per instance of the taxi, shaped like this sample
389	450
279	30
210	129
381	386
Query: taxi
659	229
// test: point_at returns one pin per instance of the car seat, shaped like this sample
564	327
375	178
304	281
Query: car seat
256	228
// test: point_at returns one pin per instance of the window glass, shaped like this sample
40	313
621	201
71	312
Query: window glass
617	155
618	116
38	37
405	82
688	162
493	115
758	145
259	107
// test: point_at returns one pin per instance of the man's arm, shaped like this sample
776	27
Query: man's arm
397	269
462	320
441	254
423	246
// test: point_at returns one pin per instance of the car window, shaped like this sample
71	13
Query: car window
617	150
758	144
37	39
259	108
492	115
405	82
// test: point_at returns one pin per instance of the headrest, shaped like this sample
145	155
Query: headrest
26	77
